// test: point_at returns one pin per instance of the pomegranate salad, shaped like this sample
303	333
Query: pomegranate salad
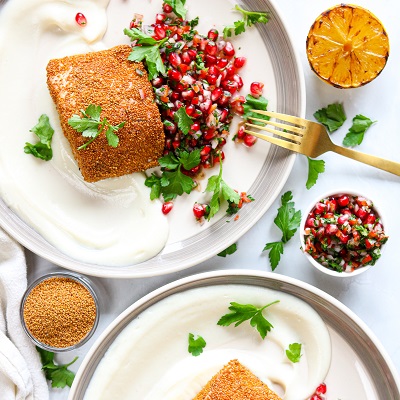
196	81
343	233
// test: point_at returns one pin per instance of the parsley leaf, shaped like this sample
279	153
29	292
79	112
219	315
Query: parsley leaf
148	49
44	132
59	375
243	312
221	191
332	116
288	221
315	167
173	182
355	135
90	125
249	18
294	352
196	346
178	7
252	103
228	251
183	120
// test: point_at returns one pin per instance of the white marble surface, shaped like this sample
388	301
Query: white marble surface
373	296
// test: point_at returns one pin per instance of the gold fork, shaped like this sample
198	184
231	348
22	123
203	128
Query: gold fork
311	139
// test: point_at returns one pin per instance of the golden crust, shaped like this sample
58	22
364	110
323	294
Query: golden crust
107	79
236	382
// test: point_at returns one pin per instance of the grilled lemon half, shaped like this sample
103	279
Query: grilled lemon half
347	46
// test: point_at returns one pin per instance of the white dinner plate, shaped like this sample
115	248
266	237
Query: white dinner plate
261	171
359	369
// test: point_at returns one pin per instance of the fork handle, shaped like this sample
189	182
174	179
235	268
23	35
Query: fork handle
381	163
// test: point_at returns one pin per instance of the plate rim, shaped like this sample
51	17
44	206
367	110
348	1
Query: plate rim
211	278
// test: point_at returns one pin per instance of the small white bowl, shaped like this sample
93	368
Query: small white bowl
315	263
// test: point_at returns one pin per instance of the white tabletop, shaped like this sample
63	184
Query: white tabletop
374	296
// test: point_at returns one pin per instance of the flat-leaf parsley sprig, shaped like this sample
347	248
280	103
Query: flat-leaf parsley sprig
196	345
44	132
249	18
59	375
148	49
90	125
288	221
244	312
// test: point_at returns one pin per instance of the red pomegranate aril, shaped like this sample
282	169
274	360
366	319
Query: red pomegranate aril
230	86
167	8
320	208
249	140
190	109
80	19
241	133
321	389
213	34
224	115
205	150
342	219
371	218
199	210
256	89
160	17
213	70
315	397
361	213
167	207
192	53
159	32
205	106
186	58
157	82
174	59
210	134
222	63
212	79
216	94
195	126
224	99
230	71
237	78
210	60
176	144
343	200
331	229
188	95
239	62
174	75
310	222
211	48
229	50
175	96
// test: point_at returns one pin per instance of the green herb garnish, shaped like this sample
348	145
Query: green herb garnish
90	125
197	345
294	352
44	132
288	221
183	120
148	49
173	182
220	191
252	103
315	167
243	312
178	7
249	18
332	116
355	135
59	375
228	251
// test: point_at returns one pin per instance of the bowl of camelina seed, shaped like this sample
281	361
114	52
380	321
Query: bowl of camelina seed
60	311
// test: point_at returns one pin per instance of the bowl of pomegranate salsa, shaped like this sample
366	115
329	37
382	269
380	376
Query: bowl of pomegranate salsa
343	234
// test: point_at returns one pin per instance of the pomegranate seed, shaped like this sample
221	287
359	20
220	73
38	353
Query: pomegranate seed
167	207
188	95
210	134
361	213
241	133
320	208
157	82
239	62
212	79
198	210
229	49
167	8
222	63
174	59
195	126
192	53
176	144
174	75
343	201
224	99
195	170
216	94
238	80
315	397
310	222
371	218
331	229
190	109
224	115
237	108
230	86
175	96
160	17
256	89
342	219
213	70
205	106
211	48
80	19
249	140
186	57
159	32
210	60
205	150
212	34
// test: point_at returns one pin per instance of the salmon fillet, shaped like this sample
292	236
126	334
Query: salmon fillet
122	90
235	382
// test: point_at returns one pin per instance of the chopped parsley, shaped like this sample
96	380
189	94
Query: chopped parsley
196	346
253	103
332	116
315	167
355	135
228	251
293	353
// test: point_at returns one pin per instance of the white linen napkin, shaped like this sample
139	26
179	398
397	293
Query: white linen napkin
21	377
